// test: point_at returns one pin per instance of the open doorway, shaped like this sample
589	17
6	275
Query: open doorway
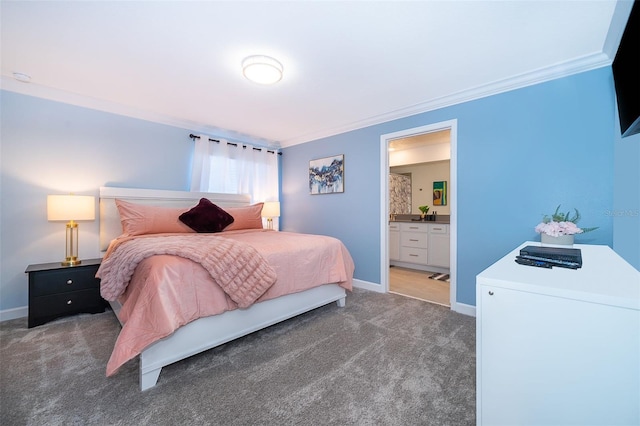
385	141
419	249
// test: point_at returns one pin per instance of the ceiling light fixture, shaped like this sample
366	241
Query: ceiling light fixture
20	76
262	69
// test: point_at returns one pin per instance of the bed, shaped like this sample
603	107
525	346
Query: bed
202	333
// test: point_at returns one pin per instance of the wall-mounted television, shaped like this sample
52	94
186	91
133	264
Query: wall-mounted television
626	75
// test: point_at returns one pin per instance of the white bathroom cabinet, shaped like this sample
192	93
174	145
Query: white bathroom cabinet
394	241
439	245
419	245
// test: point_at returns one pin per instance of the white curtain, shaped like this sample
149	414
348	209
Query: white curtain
235	169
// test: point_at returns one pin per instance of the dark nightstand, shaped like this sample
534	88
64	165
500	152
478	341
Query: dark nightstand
56	291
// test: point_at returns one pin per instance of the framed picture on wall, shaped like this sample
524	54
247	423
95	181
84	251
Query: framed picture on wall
440	193
326	175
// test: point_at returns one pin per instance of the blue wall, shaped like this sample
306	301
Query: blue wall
520	154
54	148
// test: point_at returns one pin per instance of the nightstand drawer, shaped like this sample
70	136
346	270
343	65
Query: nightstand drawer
63	280
69	303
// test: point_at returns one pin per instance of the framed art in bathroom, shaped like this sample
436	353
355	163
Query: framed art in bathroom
440	193
326	175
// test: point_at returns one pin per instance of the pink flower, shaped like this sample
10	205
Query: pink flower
555	229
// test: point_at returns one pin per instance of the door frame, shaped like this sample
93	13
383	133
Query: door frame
452	195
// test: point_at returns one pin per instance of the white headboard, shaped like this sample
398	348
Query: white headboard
110	226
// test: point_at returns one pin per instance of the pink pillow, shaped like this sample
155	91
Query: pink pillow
140	219
245	217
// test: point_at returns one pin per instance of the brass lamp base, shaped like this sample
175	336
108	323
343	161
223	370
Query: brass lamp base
71	248
71	262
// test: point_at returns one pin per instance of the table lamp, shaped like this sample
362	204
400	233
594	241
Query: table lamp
71	208
271	209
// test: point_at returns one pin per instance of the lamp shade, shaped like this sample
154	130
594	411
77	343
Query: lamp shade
271	209
71	207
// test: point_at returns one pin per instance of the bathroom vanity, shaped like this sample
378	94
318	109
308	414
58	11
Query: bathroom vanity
420	245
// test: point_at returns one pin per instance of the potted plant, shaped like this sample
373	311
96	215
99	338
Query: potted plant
424	210
560	228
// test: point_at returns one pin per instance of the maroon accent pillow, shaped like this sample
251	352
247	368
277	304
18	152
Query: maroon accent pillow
206	217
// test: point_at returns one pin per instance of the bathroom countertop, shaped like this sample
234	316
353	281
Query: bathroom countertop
441	222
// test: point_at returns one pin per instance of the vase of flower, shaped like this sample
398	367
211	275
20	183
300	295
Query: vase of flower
560	240
560	228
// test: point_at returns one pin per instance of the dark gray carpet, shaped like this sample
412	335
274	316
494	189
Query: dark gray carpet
382	360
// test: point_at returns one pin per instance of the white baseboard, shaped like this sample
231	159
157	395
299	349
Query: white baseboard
464	309
9	314
368	286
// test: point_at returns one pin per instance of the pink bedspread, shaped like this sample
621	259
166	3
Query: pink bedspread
167	292
235	266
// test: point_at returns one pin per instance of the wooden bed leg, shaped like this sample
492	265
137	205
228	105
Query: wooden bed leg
341	302
149	379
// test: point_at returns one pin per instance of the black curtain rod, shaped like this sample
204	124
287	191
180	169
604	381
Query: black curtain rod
194	137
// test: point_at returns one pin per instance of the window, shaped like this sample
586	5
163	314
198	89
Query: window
221	166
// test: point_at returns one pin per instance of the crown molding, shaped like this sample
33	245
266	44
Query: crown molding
579	65
49	93
565	69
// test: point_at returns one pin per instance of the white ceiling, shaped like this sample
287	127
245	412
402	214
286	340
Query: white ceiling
347	64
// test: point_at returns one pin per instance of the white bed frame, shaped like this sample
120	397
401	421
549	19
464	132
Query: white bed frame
209	332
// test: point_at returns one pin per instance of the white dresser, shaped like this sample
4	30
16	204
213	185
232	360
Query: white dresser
559	346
